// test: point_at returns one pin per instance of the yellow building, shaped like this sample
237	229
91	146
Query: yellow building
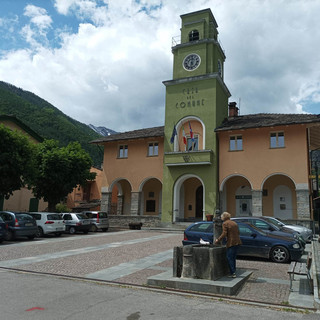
23	199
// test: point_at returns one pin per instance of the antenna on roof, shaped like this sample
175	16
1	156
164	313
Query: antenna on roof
239	104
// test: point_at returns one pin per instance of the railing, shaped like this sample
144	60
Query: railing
177	40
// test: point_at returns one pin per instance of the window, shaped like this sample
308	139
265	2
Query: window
192	145
194	35
277	140
150	206
235	143
123	151
153	149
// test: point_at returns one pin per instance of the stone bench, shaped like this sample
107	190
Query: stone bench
302	269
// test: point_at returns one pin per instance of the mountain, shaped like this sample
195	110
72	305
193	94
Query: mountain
46	120
103	131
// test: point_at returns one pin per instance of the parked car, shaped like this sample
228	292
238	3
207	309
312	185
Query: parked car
305	233
19	225
99	220
48	223
3	230
269	227
255	242
76	222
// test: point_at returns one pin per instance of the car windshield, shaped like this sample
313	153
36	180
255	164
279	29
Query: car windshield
202	227
249	229
81	216
276	222
24	217
103	215
54	216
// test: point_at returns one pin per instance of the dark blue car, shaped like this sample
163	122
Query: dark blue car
3	230
255	242
19	225
267	226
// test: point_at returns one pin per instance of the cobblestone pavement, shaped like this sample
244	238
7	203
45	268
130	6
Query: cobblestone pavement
131	257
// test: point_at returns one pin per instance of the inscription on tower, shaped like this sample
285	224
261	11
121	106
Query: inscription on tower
190	98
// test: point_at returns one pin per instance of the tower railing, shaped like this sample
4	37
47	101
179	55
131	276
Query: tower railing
177	40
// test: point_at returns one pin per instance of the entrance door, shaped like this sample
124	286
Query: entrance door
199	202
244	207
243	201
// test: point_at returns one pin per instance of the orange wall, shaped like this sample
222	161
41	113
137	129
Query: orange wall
258	160
137	167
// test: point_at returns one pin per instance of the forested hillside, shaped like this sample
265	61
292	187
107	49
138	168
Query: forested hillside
46	120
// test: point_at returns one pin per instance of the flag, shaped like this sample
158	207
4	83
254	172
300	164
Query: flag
184	136
191	132
174	133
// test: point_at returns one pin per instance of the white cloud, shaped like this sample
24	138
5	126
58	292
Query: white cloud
110	71
39	16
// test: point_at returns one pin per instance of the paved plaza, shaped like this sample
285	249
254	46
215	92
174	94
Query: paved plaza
131	257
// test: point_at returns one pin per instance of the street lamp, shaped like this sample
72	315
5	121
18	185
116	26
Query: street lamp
315	158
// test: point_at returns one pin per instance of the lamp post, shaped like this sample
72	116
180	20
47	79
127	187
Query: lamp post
315	158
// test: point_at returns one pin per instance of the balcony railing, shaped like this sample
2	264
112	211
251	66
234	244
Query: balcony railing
183	158
177	40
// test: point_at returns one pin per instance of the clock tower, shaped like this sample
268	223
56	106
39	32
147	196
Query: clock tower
196	103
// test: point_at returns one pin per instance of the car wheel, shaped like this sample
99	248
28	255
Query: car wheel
104	229
9	236
72	230
279	254
93	228
39	233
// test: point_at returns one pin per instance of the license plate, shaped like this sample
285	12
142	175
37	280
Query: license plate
29	224
59	229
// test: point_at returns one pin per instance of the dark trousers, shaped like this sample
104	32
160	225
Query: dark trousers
231	257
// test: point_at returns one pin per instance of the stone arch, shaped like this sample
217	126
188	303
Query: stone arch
236	195
151	196
120	196
279	196
185	198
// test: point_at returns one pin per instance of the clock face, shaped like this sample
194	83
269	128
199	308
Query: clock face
191	62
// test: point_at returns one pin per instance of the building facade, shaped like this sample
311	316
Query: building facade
264	164
205	160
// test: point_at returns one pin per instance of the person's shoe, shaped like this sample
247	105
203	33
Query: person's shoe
232	275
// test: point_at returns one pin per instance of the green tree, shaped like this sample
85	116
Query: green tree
16	160
60	170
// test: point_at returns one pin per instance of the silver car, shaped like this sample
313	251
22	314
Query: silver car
99	220
304	232
76	222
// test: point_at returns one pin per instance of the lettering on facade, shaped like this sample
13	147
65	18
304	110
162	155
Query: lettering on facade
190	98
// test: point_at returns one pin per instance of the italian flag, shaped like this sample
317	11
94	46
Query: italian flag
184	136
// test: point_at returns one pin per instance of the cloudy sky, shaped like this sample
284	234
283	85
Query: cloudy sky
103	61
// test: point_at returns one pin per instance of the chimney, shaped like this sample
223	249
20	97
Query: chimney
233	110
